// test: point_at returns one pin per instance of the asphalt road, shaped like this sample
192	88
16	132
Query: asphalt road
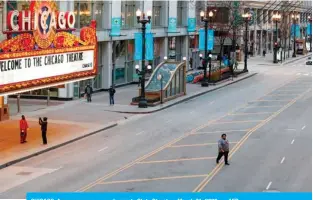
267	118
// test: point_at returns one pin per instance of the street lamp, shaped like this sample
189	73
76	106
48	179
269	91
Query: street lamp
310	36
160	78
276	18
294	17
206	21
141	18
246	17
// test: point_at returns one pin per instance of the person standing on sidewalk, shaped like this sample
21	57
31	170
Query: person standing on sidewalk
111	93
44	124
23	129
88	92
223	149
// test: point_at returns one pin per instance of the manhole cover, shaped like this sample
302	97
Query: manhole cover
24	173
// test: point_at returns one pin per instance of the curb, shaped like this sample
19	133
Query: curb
55	147
296	59
188	98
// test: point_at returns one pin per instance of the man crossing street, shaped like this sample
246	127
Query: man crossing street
223	149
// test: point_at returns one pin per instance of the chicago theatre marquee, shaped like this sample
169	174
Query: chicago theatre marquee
41	50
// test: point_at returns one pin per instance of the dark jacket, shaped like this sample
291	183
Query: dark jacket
44	125
223	145
88	90
112	91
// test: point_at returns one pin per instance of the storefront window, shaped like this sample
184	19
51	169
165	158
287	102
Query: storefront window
121	51
157	52
157	13
85	11
128	14
181	13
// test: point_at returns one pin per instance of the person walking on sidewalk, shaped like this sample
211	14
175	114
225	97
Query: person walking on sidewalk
44	124
23	129
111	93
223	149
88	92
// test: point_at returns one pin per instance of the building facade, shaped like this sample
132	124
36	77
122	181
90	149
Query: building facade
118	51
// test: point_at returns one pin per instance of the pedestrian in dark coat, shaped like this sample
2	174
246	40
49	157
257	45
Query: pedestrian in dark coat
44	125
223	149
88	92
111	93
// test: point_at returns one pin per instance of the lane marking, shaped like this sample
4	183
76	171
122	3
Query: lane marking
197	145
176	160
282	95
226	131
256	106
264	100
282	160
305	74
232	122
303	127
211	175
54	170
152	179
140	133
132	163
292	141
102	149
212	102
269	185
290	129
257	113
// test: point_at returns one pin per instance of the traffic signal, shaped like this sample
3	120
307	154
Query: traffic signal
276	45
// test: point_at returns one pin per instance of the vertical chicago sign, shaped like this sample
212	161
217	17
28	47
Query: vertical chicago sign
41	50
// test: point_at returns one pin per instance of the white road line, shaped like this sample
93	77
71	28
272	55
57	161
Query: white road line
305	74
269	185
55	170
282	160
298	74
140	133
303	127
290	129
292	141
212	102
102	149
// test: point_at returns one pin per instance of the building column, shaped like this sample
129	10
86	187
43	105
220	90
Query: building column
107	49
185	49
261	34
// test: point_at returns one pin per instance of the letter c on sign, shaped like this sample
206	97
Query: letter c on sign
70	19
11	20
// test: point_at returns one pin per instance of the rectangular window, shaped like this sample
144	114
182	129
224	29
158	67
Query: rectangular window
85	11
128	14
182	13
157	13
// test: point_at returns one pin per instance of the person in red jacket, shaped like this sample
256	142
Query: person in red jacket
23	129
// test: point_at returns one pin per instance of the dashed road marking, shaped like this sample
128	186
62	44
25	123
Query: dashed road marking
140	133
282	160
102	149
269	185
303	127
292	141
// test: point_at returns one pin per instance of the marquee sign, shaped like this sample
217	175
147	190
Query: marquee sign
41	50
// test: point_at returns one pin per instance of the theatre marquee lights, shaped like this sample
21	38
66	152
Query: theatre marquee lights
41	51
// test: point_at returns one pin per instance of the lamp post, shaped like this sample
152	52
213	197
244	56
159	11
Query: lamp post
160	78
206	21
276	18
310	36
294	17
246	17
141	18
